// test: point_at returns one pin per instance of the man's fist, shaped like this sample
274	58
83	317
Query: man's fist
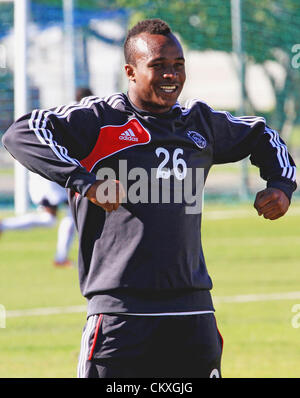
107	194
272	203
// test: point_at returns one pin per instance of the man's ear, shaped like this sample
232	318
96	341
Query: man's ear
130	72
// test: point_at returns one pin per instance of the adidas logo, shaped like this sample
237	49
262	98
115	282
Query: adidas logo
128	135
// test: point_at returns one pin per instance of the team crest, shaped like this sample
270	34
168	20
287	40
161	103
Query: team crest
198	139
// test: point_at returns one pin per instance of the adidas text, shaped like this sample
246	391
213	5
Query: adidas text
128	135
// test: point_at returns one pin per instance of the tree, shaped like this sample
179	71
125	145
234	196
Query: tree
270	33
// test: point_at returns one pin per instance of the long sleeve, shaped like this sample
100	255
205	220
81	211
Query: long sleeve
274	161
52	143
236	138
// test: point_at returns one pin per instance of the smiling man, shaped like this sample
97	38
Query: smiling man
141	263
155	69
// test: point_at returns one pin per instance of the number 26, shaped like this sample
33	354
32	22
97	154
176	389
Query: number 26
179	172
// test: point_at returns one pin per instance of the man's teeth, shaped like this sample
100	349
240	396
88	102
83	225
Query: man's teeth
168	89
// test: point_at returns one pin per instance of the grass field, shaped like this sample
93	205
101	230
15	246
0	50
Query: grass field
246	255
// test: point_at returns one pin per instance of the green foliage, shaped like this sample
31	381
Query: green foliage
197	22
269	25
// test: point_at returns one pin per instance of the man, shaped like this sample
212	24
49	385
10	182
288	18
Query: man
141	265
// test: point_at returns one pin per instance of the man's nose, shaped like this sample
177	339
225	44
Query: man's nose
170	74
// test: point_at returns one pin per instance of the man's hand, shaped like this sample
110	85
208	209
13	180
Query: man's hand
272	203
107	194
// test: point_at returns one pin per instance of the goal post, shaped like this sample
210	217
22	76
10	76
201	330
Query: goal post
21	106
21	197
237	47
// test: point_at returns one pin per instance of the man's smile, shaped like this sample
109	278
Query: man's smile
168	88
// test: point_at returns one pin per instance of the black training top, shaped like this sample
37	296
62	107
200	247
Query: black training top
146	257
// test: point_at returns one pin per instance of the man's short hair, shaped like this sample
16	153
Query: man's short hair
154	26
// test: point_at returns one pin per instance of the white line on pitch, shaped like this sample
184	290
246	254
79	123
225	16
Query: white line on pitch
46	311
246	298
240	213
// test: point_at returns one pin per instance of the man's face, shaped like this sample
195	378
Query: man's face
158	74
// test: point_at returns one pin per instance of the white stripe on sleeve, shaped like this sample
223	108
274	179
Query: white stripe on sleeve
288	171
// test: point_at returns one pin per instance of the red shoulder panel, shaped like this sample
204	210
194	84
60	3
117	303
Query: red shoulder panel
114	139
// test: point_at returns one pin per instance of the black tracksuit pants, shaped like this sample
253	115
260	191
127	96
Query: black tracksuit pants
129	346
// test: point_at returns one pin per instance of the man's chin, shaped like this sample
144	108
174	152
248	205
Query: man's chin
159	105
166	104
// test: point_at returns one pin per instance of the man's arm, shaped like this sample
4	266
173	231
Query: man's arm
52	143
278	168
238	137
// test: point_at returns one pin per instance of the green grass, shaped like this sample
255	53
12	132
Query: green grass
41	347
245	255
